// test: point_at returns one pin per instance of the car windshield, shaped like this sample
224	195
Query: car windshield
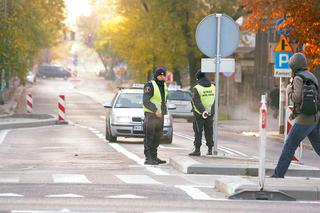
129	100
179	95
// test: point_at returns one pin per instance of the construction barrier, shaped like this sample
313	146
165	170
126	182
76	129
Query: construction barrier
29	104
288	125
61	108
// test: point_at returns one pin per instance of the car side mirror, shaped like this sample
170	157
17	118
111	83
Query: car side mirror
107	105
172	107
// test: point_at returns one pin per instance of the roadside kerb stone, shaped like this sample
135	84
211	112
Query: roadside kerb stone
28	120
182	163
298	188
234	166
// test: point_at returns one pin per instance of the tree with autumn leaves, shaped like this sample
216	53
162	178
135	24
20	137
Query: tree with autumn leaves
26	27
303	20
151	33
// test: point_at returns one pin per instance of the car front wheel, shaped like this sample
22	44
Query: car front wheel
109	136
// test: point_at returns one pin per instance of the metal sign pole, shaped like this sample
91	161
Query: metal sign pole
216	111
281	105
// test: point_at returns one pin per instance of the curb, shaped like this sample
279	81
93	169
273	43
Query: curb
308	190
40	121
188	165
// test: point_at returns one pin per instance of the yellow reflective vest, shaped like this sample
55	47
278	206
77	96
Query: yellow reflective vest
207	97
156	98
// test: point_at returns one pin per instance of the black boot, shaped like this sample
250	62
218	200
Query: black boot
159	160
154	155
150	160
196	152
209	150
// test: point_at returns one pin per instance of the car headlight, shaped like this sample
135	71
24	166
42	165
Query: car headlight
121	119
166	121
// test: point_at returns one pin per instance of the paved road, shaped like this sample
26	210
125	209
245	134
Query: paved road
73	168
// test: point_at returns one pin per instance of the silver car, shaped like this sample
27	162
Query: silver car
125	116
182	100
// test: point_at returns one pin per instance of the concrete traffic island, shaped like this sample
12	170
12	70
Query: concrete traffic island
228	165
240	174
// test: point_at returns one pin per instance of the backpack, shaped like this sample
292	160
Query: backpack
310	104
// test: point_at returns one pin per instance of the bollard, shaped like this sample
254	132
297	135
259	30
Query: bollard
61	108
29	104
263	138
289	123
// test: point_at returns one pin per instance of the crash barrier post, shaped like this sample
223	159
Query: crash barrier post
289	123
61	108
29	104
263	138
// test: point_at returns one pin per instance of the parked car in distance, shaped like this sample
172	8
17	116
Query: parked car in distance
125	116
53	71
182	100
31	77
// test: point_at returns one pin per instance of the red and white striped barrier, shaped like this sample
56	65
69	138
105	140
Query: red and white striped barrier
289	123
61	108
29	104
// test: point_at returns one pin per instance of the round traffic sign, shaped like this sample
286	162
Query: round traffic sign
206	35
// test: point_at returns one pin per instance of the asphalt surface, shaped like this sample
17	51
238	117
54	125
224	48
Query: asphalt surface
304	184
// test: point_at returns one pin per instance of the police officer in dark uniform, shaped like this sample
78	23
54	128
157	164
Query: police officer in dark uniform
154	101
203	96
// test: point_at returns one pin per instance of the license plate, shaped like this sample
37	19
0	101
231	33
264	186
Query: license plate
137	128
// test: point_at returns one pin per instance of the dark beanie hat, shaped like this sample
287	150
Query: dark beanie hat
200	74
159	71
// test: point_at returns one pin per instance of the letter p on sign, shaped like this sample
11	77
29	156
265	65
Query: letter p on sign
283	60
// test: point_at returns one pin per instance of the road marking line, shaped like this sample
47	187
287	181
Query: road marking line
222	148
100	135
3	135
126	196
64	195
70	178
39	211
194	193
10	195
233	150
137	179
130	155
168	147
9	180
140	161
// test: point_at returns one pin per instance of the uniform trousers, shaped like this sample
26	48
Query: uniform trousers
153	130
200	124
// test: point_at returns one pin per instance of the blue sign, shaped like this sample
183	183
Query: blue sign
282	60
281	28
281	64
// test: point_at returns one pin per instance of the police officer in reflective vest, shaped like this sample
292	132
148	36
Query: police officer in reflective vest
154	101
203	96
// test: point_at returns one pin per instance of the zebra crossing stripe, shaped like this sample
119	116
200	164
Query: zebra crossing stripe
70	178
137	179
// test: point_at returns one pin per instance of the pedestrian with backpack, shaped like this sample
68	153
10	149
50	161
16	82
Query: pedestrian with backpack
304	93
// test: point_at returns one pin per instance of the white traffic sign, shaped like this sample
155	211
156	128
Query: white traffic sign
227	65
